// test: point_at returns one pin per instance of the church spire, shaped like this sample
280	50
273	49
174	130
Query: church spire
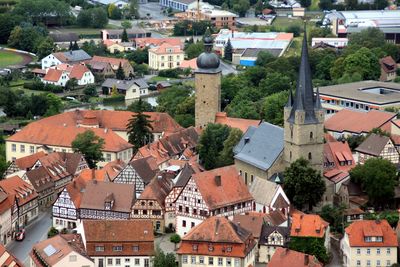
289	103
304	97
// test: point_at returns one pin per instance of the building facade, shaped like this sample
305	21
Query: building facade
165	57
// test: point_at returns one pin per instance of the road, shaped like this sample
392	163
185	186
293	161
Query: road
35	232
336	260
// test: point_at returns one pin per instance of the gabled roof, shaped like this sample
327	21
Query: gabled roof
6	202
23	191
40	179
285	257
72	56
336	152
61	164
53	75
358	230
111	60
373	145
388	64
125	84
7	259
260	146
77	71
347	120
99	231
28	161
75	190
264	191
54	249
143	42
308	225
241	124
146	168
158	189
184	176
97	191
251	222
166	48
267	230
231	190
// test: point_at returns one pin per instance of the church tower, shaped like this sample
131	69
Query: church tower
207	86
304	119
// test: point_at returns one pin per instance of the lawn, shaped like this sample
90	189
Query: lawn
83	31
282	23
9	58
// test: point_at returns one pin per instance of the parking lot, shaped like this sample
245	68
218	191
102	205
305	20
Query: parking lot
154	9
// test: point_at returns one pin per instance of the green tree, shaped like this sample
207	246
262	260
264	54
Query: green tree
334	215
274	83
228	51
194	50
71	84
258	8
90	90
163	260
272	108
126	24
226	155
75	46
337	68
124	37
175	238
305	3
303	185
54	104
378	178
52	232
363	62
8	22
120	74
84	18
325	4
263	58
211	143
310	245
90	146
369	38
134	8
241	7
99	17
139	128
295	29
114	12
136	106
45	47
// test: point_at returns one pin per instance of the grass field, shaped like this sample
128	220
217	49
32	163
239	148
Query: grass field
84	31
9	58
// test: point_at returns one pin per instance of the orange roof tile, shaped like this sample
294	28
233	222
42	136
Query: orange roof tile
231	190
7	259
77	71
28	161
388	64
242	124
338	151
284	257
191	63
53	75
6	202
308	225
45	134
23	191
358	230
166	48
220	232
113	61
357	121
143	42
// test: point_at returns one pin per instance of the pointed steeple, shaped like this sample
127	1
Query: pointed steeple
318	105
304	99
289	103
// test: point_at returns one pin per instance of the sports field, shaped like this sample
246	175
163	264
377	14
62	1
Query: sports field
9	58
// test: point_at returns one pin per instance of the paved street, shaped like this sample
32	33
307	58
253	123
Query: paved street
164	243
34	232
154	9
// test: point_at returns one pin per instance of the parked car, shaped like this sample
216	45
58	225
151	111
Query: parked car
19	236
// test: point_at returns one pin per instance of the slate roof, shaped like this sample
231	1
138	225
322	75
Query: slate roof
146	168
253	52
184	176
124	84
260	146
373	145
72	56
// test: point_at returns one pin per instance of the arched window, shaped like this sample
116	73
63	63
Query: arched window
311	135
291	133
309	156
290	155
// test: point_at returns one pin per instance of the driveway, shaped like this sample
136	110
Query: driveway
35	232
164	244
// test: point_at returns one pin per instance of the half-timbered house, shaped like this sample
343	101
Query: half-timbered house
218	192
106	201
377	146
24	163
138	172
271	238
43	185
151	203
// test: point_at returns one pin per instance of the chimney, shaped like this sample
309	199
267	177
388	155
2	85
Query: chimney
306	259
217	179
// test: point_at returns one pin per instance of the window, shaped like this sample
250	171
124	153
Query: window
368	251
135	248
220	261
146	263
388	263
22	148
183	223
99	248
210	261
378	263
180	208
229	249
185	259
72	258
378	251
358	263
32	149
358	251
309	156
192	224
193	259
109	261
137	261
195	247
311	135
101	263
108	157
228	262
117	248
187	209
388	251
13	147
117	261
201	260
368	263
237	262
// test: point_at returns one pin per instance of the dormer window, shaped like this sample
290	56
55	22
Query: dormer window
195	247
107	205
367	239
210	248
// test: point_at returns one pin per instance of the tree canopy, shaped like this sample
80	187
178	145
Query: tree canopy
90	146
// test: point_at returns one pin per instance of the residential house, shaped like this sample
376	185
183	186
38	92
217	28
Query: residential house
377	146
354	214
272	238
116	34
347	122
6	208
70	57
101	69
166	56
24	164
118	47
24	201
217	242
43	184
259	152
115	63
388	69
151	203
62	73
106	201
269	196
333	42
55	77
7	259
338	161
310	225
180	182
132	89
172	146
141	43
189	64
138	172
369	243
109	243
60	250
292	258
219	192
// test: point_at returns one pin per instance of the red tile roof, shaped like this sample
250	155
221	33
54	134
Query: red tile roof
7	259
77	71
46	134
28	161
284	257
166	48
242	124
308	225
356	121
158	189
231	190
75	190
113	61
336	152
220	233
53	75
23	191
388	64
190	63
6	202
251	222
143	42
358	230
